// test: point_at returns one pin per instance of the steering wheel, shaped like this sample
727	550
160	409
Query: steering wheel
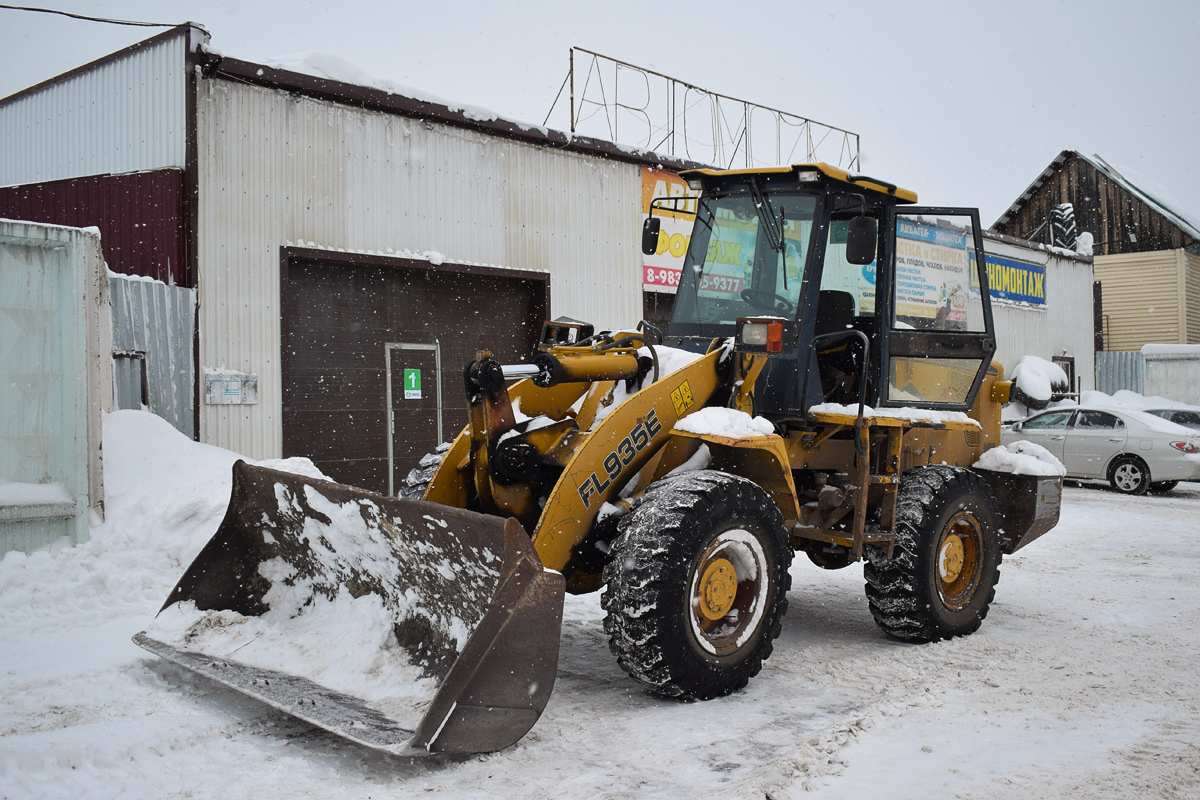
760	298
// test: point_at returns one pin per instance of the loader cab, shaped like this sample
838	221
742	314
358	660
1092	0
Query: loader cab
909	327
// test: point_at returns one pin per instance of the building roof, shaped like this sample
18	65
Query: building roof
1149	192
354	87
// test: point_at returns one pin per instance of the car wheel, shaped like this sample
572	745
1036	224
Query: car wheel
1162	487
1129	475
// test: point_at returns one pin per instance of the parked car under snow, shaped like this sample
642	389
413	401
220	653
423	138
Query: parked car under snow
1134	451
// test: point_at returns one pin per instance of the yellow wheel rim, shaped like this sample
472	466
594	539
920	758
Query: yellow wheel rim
959	567
718	588
950	560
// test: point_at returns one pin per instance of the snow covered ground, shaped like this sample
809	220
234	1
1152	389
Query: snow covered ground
1083	682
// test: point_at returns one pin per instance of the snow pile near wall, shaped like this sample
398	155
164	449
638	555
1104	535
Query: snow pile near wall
906	413
165	496
729	422
1035	380
1021	458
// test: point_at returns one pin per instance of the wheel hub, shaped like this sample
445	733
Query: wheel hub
950	559
718	588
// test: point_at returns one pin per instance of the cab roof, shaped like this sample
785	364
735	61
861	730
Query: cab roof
858	181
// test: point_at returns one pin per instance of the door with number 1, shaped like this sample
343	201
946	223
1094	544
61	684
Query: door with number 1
414	400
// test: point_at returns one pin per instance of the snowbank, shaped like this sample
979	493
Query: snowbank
729	422
1021	458
165	496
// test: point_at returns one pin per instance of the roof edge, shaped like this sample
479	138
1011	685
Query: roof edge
182	29
365	97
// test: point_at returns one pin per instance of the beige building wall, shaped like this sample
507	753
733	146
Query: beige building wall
1191	283
1143	298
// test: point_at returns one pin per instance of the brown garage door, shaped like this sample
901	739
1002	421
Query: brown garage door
355	326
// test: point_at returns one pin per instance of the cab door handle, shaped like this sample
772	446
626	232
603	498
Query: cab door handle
1115	439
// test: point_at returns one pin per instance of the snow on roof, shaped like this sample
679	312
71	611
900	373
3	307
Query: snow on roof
1152	194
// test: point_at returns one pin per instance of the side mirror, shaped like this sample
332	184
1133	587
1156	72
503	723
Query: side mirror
650	230
1016	426
860	240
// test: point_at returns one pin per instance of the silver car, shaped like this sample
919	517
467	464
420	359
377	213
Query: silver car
1135	451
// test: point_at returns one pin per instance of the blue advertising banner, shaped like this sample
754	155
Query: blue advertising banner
1013	279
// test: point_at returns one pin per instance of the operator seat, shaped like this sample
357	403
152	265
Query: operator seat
835	362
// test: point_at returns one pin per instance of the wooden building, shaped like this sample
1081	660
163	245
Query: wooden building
1147	250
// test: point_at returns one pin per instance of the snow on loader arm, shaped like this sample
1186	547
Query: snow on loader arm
403	625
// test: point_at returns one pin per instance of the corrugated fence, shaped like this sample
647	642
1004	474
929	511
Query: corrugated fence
1119	370
153	327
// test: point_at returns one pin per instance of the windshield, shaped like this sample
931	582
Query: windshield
733	267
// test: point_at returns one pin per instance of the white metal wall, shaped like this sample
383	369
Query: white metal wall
1063	328
122	116
277	169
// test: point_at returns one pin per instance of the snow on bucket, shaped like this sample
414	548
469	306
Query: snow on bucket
403	625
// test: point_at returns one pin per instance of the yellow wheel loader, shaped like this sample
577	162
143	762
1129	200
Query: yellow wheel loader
825	385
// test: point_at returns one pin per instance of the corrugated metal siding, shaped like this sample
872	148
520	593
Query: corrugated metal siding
1141	294
159	320
1191	281
140	217
275	169
1117	370
124	115
1063	328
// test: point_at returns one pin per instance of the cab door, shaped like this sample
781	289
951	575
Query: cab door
940	336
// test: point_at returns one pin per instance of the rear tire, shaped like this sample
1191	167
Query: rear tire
697	585
1129	475
942	577
1162	487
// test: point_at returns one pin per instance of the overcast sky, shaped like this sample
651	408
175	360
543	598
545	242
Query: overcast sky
964	103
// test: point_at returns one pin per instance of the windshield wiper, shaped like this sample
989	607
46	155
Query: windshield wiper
766	217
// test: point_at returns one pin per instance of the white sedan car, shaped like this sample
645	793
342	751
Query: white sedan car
1134	451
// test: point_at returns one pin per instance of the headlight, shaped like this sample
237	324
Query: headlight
754	333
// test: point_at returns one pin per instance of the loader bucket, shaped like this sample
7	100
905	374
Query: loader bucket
406	626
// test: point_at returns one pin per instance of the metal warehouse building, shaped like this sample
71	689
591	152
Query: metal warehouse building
336	235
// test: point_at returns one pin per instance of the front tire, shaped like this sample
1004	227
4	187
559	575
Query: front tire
942	577
1129	475
697	585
